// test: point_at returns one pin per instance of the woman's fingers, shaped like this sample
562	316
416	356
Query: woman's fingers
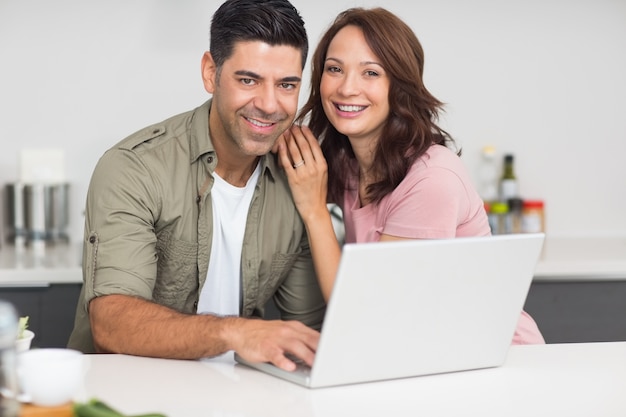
298	147
304	145
297	151
283	151
313	144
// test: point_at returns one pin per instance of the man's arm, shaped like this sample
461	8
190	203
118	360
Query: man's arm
131	325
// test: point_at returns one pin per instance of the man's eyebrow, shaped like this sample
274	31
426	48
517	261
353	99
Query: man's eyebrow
293	79
250	74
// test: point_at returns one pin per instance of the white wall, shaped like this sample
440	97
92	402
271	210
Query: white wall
543	79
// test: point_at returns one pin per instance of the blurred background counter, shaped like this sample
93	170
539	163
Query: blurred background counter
579	290
43	285
578	294
595	258
58	264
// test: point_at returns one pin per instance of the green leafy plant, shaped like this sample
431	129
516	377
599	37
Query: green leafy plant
21	326
97	408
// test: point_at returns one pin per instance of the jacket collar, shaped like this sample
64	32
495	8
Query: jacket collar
201	144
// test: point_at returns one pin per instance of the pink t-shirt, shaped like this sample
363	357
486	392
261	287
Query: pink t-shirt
436	200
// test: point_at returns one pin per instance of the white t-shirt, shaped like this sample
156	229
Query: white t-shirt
221	291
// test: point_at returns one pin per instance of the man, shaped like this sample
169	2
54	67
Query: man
190	228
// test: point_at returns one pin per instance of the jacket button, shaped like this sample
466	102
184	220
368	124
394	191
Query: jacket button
198	198
210	159
92	239
195	305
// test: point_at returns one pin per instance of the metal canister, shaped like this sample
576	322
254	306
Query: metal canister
36	213
15	228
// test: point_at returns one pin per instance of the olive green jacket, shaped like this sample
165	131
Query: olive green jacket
148	229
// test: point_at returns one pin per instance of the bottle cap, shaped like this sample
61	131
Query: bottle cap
489	151
499	208
533	204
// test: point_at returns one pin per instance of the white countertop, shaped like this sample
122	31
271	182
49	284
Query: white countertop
59	264
573	380
562	259
589	258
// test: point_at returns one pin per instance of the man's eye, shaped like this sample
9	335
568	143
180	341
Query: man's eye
247	81
288	86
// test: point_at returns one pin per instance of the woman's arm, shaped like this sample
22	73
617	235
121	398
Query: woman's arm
307	172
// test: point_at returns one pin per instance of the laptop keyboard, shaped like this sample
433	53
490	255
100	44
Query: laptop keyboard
301	366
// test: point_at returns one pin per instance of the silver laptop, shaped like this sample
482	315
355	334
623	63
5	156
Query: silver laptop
420	307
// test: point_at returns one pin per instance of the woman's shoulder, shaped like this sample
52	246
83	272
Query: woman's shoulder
442	152
438	156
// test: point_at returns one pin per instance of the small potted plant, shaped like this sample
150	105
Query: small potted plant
24	336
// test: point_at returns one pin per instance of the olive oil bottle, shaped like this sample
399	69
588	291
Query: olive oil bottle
508	181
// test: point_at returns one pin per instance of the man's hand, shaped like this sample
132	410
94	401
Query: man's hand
269	341
124	324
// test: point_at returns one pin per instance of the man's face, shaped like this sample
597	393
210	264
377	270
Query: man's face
255	96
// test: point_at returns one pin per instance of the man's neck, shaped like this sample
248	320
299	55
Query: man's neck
233	166
236	174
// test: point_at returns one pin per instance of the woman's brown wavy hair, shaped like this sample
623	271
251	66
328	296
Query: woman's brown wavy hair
411	127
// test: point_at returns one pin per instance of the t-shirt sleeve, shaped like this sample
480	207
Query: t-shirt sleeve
428	206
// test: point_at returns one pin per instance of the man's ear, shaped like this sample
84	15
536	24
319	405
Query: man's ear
209	72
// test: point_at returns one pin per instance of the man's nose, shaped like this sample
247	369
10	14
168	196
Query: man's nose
267	99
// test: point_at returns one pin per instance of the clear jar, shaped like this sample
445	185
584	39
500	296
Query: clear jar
533	216
501	218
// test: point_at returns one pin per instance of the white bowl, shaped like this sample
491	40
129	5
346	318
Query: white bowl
50	376
23	343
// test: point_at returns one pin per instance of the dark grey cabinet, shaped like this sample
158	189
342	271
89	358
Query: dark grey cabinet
565	311
579	311
51	310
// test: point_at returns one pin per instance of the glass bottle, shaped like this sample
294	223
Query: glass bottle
508	181
9	390
515	212
488	175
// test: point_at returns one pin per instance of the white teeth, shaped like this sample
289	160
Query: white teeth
350	108
260	124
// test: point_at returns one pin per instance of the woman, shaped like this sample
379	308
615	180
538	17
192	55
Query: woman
383	159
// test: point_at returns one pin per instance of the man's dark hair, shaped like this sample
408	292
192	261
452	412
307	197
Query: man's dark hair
275	22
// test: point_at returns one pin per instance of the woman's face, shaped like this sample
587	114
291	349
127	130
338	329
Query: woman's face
354	88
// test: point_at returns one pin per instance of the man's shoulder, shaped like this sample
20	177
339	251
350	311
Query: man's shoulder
168	128
152	148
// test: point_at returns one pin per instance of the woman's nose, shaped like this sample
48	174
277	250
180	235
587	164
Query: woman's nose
349	85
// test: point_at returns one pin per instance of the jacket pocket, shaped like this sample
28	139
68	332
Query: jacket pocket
176	284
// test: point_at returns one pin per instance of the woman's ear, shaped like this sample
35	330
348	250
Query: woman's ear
209	72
